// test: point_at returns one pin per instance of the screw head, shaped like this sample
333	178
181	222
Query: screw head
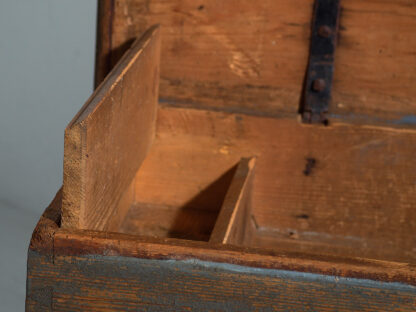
324	31
318	85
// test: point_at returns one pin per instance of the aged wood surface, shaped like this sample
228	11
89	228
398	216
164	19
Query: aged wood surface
109	138
213	57
327	221
342	189
114	283
84	242
115	220
81	270
230	227
51	241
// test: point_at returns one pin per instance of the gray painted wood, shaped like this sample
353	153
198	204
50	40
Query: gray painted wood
125	284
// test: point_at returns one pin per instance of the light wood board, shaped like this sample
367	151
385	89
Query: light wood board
108	139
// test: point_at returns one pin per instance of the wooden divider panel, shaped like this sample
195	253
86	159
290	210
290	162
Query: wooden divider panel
231	225
108	139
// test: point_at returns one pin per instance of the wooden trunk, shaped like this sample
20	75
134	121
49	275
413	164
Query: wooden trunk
191	182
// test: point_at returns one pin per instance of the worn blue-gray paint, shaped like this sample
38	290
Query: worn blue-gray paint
407	120
290	275
125	284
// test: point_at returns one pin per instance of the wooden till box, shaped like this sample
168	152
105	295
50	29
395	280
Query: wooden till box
191	182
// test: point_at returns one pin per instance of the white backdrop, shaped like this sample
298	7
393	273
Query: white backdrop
47	56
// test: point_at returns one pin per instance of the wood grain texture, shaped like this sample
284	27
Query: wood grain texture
114	283
51	241
48	224
231	224
332	218
109	138
86	242
342	189
213	57
115	220
79	270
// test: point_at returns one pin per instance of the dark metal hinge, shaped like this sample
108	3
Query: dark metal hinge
318	83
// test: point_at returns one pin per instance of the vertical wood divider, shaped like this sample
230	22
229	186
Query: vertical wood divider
234	215
107	141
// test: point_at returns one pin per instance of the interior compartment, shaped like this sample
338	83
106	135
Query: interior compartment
343	189
225	174
187	208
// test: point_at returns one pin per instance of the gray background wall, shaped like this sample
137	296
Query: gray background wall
46	73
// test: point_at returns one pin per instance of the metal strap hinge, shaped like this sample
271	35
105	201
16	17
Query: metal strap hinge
318	83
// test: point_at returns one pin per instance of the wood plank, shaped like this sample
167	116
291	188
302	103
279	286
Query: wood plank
115	283
86	242
231	224
108	139
348	186
50	241
211	56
